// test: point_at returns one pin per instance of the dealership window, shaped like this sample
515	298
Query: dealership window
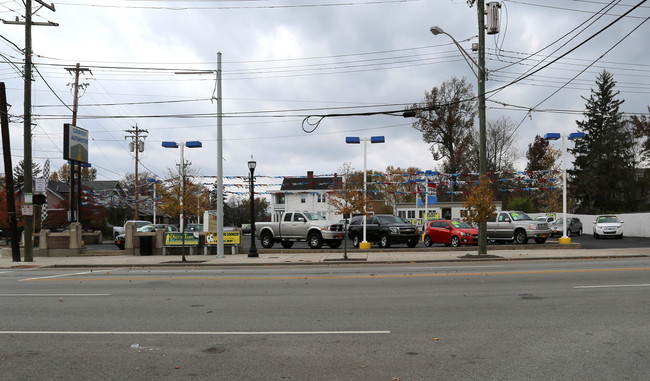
401	214
321	197
279	198
303	198
411	214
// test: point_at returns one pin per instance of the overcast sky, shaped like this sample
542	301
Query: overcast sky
286	59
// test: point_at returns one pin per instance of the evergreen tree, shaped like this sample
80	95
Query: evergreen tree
603	176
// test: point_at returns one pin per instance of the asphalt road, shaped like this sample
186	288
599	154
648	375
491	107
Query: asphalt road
537	320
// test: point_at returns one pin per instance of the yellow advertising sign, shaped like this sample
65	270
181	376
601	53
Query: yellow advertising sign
229	238
176	239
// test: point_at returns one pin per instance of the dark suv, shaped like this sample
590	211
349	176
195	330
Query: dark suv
384	230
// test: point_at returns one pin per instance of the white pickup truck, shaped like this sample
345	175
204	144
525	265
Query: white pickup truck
300	226
117	230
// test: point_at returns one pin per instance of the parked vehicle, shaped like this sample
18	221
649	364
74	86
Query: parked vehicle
573	226
194	228
300	226
516	226
608	226
450	232
121	238
547	219
117	230
384	230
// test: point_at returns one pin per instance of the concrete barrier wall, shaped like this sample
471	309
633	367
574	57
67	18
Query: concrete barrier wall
634	224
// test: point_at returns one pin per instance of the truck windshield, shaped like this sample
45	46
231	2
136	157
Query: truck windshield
313	216
520	216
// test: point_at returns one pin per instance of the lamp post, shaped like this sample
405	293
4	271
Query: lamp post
252	252
154	181
482	147
190	144
357	140
555	136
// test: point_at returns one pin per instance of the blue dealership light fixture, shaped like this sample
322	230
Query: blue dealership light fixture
357	140
170	144
555	136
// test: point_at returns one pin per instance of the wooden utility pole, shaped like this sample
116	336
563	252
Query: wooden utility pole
75	216
28	220
137	145
9	176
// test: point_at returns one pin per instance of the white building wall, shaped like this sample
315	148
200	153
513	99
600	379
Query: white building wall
293	203
634	224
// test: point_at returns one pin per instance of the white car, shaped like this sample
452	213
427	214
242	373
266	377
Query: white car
608	226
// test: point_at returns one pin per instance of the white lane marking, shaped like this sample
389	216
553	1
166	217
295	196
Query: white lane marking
616	285
38	295
224	333
101	272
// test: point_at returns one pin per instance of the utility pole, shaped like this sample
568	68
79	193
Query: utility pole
28	219
136	145
75	217
9	177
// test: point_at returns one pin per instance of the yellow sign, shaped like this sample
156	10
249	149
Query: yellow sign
229	238
176	239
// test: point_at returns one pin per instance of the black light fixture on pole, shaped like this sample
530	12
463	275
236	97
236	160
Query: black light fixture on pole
252	252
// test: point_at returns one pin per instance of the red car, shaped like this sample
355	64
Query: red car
451	233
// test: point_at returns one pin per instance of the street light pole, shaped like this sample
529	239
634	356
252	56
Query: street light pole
555	136
190	144
154	181
356	140
252	252
482	146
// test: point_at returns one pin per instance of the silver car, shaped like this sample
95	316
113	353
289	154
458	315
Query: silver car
573	226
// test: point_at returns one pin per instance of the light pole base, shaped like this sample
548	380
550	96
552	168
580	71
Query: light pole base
364	245
565	240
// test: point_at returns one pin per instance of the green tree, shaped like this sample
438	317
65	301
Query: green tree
641	125
603	176
19	171
525	204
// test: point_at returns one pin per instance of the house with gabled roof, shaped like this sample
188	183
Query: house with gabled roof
306	194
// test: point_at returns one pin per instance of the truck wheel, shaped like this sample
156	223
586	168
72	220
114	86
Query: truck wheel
334	244
427	241
355	240
315	240
580	232
287	244
384	241
520	237
568	232
267	240
455	242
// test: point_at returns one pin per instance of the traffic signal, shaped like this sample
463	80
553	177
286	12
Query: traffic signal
39	199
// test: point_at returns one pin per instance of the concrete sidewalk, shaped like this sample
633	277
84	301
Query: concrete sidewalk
113	258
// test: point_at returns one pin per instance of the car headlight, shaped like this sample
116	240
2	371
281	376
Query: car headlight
394	230
465	234
533	226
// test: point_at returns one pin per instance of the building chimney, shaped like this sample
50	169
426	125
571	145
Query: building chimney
310	179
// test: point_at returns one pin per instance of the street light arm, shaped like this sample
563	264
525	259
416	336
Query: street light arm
436	30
